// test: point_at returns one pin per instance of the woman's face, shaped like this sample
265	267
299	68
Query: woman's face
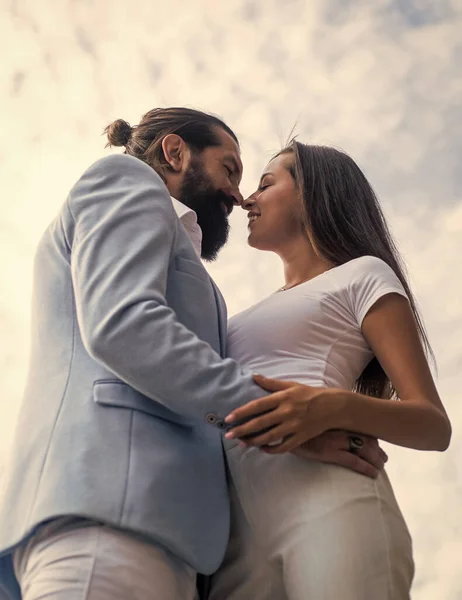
275	209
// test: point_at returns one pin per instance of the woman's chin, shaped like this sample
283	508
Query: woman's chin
254	242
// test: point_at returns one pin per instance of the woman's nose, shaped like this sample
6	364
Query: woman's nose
248	203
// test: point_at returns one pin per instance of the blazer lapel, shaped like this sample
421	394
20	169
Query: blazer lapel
222	317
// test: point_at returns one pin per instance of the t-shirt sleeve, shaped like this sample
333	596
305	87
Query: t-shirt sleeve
371	280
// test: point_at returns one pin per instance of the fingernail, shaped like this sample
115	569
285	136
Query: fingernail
229	418
230	435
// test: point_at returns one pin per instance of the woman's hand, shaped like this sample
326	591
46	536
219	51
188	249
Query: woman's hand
293	414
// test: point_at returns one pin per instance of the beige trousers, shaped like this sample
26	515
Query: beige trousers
76	559
304	530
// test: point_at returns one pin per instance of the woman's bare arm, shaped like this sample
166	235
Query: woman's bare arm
418	419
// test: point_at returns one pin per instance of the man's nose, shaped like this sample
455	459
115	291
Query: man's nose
237	197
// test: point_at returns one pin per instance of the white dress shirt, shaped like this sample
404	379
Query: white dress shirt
188	219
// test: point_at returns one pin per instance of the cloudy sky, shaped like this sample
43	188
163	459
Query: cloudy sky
382	80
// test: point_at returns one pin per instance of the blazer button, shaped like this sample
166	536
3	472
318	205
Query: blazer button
221	424
211	418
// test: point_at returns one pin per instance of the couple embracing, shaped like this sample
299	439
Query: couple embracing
147	449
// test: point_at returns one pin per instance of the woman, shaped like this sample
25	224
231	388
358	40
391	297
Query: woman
345	325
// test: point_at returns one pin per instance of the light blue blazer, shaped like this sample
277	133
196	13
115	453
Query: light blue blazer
126	392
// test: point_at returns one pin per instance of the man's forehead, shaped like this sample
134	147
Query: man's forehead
226	139
227	142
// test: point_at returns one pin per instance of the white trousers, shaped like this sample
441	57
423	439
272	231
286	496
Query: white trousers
71	559
304	530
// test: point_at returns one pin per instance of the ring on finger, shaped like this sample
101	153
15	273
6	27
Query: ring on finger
355	443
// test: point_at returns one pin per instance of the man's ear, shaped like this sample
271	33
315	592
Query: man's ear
176	152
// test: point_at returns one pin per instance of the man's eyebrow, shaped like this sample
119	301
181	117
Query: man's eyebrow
236	164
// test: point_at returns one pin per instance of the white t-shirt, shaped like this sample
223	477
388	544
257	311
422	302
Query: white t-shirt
311	333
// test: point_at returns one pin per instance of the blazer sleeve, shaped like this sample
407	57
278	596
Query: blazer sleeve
124	229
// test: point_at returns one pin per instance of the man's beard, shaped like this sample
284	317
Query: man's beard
198	193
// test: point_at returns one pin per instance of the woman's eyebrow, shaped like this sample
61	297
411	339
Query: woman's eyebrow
264	175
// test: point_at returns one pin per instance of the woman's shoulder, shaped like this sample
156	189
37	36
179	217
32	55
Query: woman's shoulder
365	269
365	280
367	264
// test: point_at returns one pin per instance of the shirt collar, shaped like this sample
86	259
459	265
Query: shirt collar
188	219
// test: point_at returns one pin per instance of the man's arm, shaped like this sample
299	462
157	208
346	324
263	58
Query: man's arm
333	447
124	229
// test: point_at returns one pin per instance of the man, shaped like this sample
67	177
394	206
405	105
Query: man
116	488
